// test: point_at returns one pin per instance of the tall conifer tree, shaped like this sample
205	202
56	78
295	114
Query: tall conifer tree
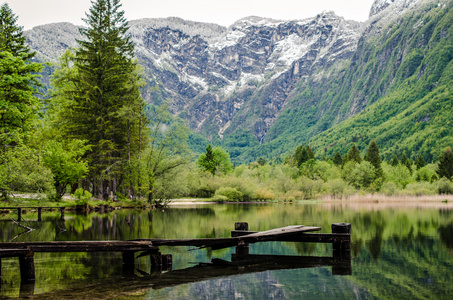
103	91
374	158
12	38
445	164
353	154
18	104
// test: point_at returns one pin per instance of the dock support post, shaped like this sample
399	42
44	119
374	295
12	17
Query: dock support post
167	262
156	259
62	213
242	248
27	267
128	262
27	290
39	214
341	245
342	250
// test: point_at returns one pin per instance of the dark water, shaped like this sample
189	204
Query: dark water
397	253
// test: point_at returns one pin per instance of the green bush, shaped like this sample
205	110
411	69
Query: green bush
219	198
81	196
232	194
264	194
389	188
444	186
338	188
420	188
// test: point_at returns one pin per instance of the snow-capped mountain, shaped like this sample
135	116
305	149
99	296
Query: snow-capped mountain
261	80
218	78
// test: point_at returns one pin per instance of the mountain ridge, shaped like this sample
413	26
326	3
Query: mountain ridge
260	86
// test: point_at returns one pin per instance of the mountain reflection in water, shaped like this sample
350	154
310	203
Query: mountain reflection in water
395	253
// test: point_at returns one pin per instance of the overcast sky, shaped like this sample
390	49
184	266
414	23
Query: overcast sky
224	12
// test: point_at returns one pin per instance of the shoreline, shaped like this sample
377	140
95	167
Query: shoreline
362	201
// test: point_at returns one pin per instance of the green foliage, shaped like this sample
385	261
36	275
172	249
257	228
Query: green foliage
374	158
232	194
360	175
159	172
444	186
82	196
338	160
18	105
12	38
353	155
398	174
215	160
97	96
445	164
65	162
303	155
395	160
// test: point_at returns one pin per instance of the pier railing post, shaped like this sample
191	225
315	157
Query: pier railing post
19	214
27	267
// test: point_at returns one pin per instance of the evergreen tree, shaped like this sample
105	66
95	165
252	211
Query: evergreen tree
338	160
303	154
374	158
261	161
206	161
353	155
12	38
419	162
445	164
395	160
102	102
214	160
404	158
18	110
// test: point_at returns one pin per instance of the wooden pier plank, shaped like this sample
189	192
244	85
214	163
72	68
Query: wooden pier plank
80	246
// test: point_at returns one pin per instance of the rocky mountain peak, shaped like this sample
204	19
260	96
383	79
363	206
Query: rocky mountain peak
397	5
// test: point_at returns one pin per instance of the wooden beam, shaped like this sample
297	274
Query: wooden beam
80	246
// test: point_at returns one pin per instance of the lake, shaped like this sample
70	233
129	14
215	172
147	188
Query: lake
398	252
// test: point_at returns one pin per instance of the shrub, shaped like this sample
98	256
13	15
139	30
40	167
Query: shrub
264	194
310	188
219	198
389	188
232	194
338	188
420	188
81	196
444	186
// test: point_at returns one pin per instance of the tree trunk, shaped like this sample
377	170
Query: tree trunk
100	189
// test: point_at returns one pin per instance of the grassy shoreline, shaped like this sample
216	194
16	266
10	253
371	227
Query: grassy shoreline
33	199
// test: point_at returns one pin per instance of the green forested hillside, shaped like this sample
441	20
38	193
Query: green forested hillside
414	115
396	89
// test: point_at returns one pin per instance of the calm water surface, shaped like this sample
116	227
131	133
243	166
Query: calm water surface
404	253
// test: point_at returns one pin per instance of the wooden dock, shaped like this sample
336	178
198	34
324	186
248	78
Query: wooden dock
241	238
20	209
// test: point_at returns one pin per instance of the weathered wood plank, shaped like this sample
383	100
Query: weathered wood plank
13	252
80	246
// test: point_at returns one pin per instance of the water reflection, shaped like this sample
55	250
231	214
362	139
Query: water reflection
395	253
